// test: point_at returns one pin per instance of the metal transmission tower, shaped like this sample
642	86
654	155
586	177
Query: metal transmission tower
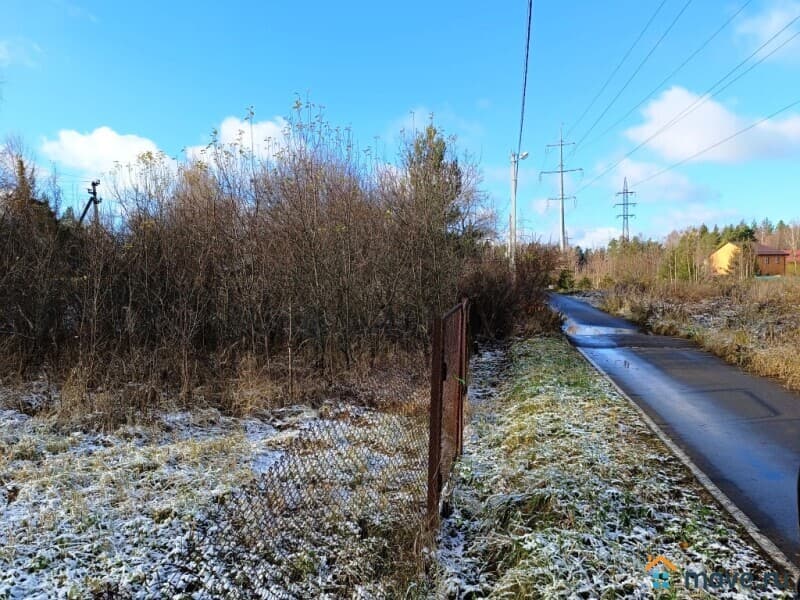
625	204
561	170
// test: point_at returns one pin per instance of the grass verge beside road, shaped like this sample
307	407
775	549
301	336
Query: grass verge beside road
753	324
563	491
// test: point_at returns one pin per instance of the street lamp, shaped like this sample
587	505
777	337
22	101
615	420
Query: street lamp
512	226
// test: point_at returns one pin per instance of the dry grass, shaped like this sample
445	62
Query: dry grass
754	324
390	383
779	361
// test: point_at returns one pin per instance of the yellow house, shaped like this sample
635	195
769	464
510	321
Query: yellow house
720	260
770	261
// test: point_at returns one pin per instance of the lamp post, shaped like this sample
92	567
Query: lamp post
512	234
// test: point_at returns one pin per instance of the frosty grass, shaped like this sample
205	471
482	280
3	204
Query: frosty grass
563	492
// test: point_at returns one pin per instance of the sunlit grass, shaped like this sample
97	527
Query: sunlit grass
564	490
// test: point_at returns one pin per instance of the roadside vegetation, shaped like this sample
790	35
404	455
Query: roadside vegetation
754	324
563	491
749	321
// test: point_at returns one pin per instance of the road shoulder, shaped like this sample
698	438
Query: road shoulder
564	488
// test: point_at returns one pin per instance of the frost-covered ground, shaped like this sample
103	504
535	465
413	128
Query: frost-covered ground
563	492
79	510
87	513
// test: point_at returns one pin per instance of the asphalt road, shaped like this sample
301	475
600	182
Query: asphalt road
743	431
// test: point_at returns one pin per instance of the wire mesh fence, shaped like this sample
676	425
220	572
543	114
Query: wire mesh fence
339	512
344	511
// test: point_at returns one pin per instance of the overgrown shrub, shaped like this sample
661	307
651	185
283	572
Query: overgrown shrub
231	267
566	280
501	304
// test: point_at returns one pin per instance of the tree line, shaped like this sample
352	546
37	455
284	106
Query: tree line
683	255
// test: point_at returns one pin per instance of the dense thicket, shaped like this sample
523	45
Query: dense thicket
317	254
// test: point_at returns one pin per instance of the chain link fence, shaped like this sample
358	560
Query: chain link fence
339	514
344	511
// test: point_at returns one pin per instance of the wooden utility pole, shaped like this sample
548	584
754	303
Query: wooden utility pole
93	200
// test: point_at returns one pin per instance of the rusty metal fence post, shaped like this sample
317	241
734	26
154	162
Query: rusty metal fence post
463	366
449	363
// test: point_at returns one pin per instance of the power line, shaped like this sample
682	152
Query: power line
691	57
516	157
525	74
707	95
719	143
617	68
711	92
635	73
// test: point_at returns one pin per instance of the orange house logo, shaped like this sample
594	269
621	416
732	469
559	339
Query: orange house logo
659	569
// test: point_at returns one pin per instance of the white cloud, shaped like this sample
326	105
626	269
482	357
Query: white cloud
96	152
708	124
670	186
594	238
757	28
267	138
19	51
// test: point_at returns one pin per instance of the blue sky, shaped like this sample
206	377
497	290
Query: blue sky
86	83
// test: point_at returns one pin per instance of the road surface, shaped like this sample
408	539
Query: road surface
743	431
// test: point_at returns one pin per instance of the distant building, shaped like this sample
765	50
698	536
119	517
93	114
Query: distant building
770	261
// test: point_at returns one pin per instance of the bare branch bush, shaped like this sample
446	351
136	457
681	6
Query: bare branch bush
228	271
